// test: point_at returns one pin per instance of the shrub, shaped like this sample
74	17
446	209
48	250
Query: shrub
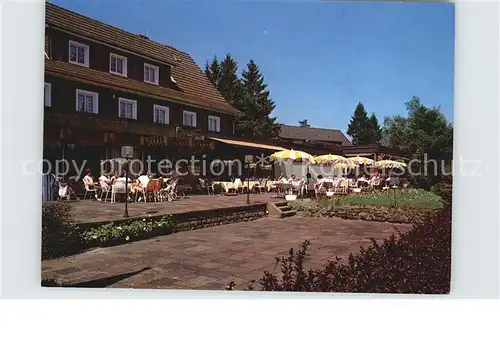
443	189
58	231
418	261
113	234
60	236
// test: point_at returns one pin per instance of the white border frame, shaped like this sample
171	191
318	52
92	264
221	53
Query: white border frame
134	109
167	113
125	64
190	113
475	267
87	53
96	100
157	73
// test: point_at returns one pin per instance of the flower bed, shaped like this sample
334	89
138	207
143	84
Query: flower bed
113	234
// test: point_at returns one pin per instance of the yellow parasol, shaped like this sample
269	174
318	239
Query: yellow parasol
358	160
389	164
336	160
291	155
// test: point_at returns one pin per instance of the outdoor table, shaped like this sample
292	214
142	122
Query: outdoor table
271	184
286	187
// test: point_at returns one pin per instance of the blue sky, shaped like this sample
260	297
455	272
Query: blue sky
318	58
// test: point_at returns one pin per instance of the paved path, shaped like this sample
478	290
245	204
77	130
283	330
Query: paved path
93	211
210	258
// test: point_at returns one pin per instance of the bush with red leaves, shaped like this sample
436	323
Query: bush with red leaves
416	262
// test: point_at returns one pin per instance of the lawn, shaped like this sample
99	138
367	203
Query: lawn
407	198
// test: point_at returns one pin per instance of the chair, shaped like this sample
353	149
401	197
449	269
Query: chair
89	189
238	185
320	188
153	188
105	188
262	186
118	187
206	185
344	186
229	186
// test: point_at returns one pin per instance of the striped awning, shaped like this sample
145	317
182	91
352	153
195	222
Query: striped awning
248	144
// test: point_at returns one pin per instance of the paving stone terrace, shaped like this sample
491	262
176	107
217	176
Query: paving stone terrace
87	211
210	258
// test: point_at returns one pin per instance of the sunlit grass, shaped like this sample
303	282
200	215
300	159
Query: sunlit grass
408	198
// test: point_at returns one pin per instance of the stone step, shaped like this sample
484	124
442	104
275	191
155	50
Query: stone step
288	213
281	203
285	208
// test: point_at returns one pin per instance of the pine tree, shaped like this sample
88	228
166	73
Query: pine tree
304	123
229	84
357	126
363	129
256	105
223	76
373	131
213	72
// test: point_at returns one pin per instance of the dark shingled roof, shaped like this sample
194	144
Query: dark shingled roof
195	87
313	134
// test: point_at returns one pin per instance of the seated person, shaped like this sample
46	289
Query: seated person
104	179
114	177
281	177
319	181
88	178
292	178
136	187
144	179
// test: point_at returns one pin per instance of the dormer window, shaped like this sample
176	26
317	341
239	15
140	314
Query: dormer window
118	65
151	74
78	53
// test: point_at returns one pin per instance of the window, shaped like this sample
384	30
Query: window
127	108
234	127
47	94
189	119
213	124
87	101
118	64
150	73
160	114
78	53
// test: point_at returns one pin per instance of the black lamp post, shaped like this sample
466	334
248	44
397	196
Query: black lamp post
248	161
127	153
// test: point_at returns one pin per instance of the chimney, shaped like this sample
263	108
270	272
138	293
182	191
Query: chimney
143	36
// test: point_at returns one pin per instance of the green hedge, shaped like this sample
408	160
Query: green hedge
60	235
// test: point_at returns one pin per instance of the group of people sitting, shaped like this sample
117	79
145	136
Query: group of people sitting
314	186
107	180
